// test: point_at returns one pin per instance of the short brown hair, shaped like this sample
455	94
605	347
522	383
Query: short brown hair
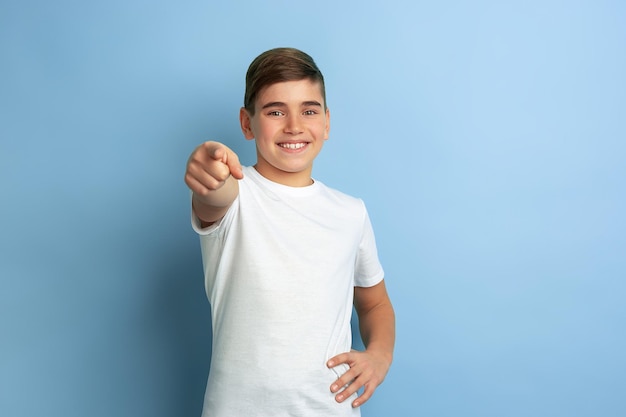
279	65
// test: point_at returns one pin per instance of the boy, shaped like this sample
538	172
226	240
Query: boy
285	257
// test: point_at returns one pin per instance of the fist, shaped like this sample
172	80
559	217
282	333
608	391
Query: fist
209	166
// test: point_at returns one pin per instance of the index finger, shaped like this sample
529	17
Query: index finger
339	359
232	160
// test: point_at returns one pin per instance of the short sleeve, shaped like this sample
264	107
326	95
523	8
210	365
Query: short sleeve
368	270
197	227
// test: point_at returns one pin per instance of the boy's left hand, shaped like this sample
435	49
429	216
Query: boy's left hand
367	369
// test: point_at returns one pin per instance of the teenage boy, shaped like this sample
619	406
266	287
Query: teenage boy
285	257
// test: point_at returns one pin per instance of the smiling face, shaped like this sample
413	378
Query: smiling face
290	124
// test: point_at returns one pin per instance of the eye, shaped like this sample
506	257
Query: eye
310	112
276	113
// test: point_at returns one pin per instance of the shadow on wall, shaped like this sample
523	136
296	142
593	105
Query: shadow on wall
182	313
178	313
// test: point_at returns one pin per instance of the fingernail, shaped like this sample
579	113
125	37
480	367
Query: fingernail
334	387
330	363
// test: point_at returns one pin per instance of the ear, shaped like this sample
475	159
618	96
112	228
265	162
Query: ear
245	122
327	131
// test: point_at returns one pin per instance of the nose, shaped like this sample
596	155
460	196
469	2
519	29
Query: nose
293	125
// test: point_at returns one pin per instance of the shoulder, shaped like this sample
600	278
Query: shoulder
341	198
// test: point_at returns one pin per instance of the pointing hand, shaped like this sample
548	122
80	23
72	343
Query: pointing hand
209	166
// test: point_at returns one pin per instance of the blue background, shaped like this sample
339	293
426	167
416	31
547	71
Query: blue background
487	139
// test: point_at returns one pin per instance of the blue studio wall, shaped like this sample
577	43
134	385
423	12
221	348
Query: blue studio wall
487	139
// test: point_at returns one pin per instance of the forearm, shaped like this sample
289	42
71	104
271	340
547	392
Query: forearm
377	327
211	206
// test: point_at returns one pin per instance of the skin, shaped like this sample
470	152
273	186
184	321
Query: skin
293	114
290	125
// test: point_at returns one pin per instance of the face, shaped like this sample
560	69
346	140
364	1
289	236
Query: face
290	125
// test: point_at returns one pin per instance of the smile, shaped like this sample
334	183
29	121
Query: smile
298	145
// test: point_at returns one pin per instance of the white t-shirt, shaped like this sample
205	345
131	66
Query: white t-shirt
280	270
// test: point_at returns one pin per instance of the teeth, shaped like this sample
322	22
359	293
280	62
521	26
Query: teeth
292	145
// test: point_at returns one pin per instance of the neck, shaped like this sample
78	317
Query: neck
290	179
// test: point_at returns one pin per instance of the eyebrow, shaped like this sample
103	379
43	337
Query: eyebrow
307	103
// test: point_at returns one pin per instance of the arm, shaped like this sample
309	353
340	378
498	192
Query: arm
376	320
212	173
377	325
